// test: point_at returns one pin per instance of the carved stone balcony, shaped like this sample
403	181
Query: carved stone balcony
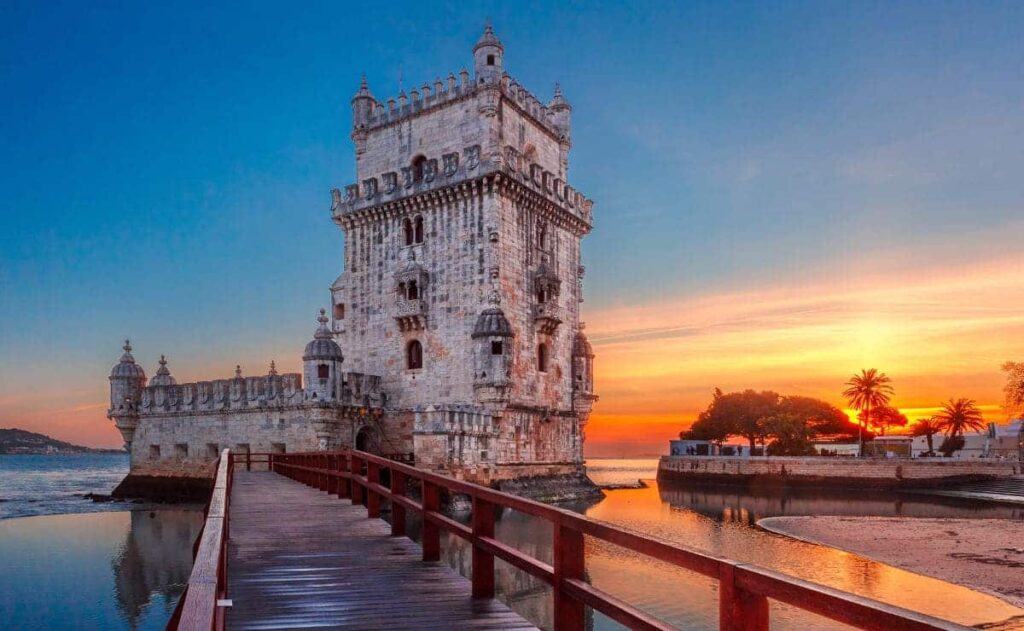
545	316
411	314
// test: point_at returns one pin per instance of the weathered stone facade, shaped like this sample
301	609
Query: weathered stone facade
457	308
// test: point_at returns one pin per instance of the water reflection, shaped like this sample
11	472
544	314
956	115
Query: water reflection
721	521
122	570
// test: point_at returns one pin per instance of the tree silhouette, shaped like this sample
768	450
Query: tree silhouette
958	416
870	389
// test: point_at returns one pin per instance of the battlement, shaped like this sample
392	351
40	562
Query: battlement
457	168
376	114
245	393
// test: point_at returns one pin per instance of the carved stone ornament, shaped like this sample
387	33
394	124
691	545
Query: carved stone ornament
335	199
451	163
351	193
407	177
429	170
390	182
370	188
472	157
512	158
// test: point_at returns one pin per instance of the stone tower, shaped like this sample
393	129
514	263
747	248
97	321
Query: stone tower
462	276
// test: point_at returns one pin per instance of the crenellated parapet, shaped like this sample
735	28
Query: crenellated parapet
265	391
452	175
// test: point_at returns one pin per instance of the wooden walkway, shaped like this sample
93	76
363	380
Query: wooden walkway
301	559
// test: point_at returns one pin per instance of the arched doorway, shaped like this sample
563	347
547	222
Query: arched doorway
368	440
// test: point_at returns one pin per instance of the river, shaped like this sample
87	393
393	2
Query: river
125	566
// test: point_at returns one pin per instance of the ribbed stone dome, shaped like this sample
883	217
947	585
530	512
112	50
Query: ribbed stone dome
488	39
323	345
492	321
581	345
127	368
163	375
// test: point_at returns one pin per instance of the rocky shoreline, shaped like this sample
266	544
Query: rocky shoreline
986	555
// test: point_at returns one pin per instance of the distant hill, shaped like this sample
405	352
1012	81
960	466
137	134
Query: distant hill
19	441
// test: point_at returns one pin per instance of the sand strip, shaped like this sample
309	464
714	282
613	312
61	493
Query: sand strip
983	554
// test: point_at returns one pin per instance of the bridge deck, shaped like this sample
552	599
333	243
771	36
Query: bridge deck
299	558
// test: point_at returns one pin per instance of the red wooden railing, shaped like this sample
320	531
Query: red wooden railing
202	605
744	590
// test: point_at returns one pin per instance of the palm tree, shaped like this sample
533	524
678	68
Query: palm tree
870	389
927	427
958	416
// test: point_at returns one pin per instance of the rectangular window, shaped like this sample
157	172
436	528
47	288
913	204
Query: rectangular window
323	371
212	450
154	452
181	450
496	347
277	448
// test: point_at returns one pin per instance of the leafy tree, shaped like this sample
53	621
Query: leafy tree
792	436
742	414
820	417
870	389
958	416
928	428
884	418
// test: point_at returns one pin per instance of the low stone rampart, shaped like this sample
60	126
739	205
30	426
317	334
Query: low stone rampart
832	472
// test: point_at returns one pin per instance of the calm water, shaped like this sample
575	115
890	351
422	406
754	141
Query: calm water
47	485
126	569
100	567
722	521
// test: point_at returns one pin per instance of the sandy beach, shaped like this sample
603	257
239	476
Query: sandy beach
982	554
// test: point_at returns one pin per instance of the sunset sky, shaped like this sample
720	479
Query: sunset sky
785	193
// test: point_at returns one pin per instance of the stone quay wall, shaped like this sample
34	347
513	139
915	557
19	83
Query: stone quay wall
831	472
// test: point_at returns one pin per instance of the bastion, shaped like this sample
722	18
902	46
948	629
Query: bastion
453	336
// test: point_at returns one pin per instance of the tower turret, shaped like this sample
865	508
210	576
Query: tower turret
163	375
127	379
492	341
322	364
363	105
487	57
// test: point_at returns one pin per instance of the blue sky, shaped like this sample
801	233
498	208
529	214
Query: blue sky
165	169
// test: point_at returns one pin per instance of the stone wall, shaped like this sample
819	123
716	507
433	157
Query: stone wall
852	472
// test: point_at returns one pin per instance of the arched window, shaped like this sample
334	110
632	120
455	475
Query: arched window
407	232
542	236
417	168
413	292
542	357
418	229
402	293
542	296
414	355
323	371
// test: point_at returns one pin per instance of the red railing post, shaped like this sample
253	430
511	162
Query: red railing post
397	510
344	490
322	479
569	556
739	610
355	468
483	561
431	534
372	497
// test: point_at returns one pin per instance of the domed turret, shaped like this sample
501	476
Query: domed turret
127	379
323	345
493	351
163	375
322	364
560	112
127	368
362	105
487	57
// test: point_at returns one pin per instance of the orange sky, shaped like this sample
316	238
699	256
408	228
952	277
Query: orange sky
938	332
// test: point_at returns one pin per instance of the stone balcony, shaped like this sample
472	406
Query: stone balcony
546	317
411	315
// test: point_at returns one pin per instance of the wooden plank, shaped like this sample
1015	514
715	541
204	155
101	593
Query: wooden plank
303	559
